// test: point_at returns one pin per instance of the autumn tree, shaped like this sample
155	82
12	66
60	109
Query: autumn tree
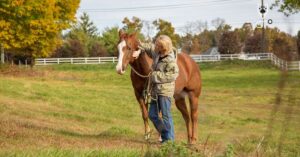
206	40
229	43
282	48
253	43
195	46
33	27
220	27
186	43
165	28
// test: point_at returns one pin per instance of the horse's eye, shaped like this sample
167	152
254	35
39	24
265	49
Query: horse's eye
128	48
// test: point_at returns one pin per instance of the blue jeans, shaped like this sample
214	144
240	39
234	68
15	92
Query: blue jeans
163	125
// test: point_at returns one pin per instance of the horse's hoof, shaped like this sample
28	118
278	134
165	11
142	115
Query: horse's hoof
147	136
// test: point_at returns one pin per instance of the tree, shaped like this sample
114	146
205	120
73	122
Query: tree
110	39
229	43
33	27
166	28
134	25
87	26
98	50
218	23
186	43
206	40
287	6
71	48
148	30
282	48
253	44
245	32
195	27
298	44
221	27
196	46
79	35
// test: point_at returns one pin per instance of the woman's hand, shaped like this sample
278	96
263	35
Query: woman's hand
136	54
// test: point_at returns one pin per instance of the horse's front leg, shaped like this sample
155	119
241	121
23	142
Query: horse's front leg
144	109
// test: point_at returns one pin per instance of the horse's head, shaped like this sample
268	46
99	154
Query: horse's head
128	43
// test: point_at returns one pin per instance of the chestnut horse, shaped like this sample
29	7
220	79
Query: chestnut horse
188	83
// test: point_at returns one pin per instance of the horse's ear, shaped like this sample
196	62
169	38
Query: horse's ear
122	34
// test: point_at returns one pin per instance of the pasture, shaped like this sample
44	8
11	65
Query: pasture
89	110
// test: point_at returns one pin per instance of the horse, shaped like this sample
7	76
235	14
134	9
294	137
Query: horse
188	82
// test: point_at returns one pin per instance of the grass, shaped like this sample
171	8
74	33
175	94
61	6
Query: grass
89	110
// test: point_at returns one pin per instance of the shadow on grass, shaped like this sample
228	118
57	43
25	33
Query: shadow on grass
111	133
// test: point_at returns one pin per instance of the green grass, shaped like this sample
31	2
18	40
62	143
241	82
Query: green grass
89	110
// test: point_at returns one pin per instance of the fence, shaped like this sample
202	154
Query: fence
280	63
86	60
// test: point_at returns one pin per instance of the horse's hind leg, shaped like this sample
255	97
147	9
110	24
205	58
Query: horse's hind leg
181	105
194	115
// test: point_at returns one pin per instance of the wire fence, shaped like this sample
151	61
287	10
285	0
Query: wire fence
280	63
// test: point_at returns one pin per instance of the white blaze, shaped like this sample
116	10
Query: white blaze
120	58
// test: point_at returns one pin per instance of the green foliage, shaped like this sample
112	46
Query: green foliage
287	6
87	26
165	28
82	41
33	27
170	149
110	39
134	26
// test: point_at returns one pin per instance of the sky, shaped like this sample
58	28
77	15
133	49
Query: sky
108	13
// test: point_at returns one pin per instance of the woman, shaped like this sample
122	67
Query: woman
165	71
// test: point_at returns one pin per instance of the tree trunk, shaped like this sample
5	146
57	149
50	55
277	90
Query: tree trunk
2	55
32	61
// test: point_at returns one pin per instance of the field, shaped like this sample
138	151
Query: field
246	109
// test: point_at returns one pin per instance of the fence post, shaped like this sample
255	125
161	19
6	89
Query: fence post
113	59
71	60
57	60
99	60
26	63
85	60
44	61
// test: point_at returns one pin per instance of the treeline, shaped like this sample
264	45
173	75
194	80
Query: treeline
83	40
32	29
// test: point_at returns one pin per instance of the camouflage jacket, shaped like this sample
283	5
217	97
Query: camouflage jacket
165	71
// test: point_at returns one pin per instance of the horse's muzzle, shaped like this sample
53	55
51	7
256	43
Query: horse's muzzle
120	70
